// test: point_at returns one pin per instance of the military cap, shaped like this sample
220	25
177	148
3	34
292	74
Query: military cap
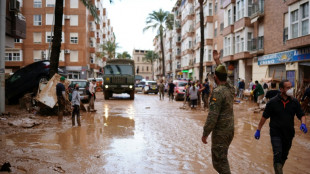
221	69
62	78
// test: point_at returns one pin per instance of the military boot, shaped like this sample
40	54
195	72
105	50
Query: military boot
278	168
73	121
79	121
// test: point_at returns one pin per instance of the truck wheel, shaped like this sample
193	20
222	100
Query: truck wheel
106	95
132	95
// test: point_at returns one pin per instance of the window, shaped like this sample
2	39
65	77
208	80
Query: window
37	55
49	19
18	40
37	37
50	3
215	32
74	56
240	9
49	37
73	75
242	45
74	3
209	55
237	44
304	18
74	20
142	68
229	17
210	9
215	7
37	4
138	59
37	20
74	38
294	23
12	56
147	68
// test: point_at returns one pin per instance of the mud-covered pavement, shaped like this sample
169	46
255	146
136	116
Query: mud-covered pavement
141	136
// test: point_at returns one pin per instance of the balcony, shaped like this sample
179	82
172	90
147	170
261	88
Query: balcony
209	42
98	40
256	45
98	26
92	49
92	34
298	42
225	3
256	9
16	26
228	30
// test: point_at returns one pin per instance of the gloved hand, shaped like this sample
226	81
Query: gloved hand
257	134
303	128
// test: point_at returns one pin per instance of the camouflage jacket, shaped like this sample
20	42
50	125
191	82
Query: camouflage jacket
221	114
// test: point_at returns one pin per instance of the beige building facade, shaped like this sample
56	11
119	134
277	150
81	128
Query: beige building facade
82	37
143	68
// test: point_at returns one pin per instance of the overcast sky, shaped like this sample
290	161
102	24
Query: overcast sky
128	20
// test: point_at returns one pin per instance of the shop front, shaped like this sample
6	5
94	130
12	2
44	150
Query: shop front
293	65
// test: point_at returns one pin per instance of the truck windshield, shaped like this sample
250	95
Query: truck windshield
118	69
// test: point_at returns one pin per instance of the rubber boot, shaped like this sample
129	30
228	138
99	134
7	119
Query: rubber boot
60	116
73	121
79	121
278	168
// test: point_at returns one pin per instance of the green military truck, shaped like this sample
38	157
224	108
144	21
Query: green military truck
119	77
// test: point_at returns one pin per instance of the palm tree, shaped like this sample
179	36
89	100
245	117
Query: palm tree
150	57
124	55
56	42
202	38
156	20
109	48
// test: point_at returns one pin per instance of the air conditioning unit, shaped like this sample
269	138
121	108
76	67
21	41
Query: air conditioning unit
67	16
67	51
14	5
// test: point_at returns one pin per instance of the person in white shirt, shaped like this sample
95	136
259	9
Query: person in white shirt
193	95
92	91
75	102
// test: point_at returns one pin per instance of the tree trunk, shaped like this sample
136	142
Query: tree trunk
56	42
202	38
162	51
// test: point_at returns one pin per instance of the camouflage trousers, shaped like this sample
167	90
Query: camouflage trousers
219	149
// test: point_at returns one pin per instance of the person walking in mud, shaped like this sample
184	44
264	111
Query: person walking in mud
75	102
161	89
281	111
220	120
92	91
61	95
193	95
205	94
171	86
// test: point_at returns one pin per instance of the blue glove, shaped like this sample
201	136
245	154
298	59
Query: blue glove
303	128
257	134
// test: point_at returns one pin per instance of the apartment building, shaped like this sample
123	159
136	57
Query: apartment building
255	41
143	68
81	37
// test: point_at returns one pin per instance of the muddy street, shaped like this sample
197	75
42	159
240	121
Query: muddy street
144	135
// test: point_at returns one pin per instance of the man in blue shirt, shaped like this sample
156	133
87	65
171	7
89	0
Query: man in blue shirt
281	111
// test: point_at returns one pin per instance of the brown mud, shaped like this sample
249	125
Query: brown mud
141	136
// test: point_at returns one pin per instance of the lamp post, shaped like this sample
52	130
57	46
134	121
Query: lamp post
2	55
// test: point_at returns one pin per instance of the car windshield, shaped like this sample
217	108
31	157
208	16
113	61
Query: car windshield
82	84
153	83
182	84
118	69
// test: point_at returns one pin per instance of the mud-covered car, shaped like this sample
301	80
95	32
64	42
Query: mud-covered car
27	79
179	89
150	87
139	87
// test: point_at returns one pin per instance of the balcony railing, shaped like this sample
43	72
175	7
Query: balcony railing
256	8
256	44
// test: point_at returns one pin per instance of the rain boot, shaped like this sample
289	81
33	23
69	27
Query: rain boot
73	121
278	168
79	121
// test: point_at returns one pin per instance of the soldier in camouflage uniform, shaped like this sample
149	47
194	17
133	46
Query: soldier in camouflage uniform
220	120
